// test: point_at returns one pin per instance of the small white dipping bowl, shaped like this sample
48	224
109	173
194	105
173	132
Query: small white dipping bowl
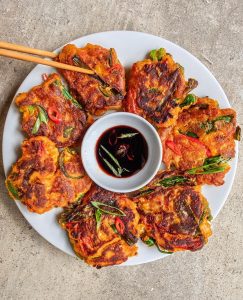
139	179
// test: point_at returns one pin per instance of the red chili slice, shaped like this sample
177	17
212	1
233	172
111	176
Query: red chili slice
173	147
208	152
54	115
120	227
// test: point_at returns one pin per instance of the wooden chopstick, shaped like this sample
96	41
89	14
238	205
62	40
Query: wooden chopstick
20	48
38	60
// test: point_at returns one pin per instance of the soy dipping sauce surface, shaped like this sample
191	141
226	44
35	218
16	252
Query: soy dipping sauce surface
121	151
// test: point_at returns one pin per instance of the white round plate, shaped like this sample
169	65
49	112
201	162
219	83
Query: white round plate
131	47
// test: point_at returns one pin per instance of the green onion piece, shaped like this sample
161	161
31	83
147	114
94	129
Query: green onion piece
164	250
114	171
72	211
80	197
67	131
211	165
115	211
157	55
160	53
127	135
153	55
202	216
113	226
190	99
210	217
237	135
130	239
12	189
226	119
31	108
149	242
171	181
106	91
154	90
111	167
209	126
211	171
166	182
36	126
189	133
41	118
206	212
77	62
213	160
67	95
63	169
42	114
144	193
111	156
98	215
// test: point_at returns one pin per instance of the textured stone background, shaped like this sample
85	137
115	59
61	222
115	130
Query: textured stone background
31	268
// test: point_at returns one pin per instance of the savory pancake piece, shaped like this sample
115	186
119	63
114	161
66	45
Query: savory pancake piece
43	179
49	110
202	131
102	91
175	219
70	181
103	229
212	172
157	88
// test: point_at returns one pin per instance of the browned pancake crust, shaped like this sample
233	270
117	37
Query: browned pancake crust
156	88
193	152
37	180
48	95
100	245
100	92
175	218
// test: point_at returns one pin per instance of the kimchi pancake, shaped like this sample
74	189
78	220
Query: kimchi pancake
102	91
38	181
70	181
49	110
102	228
202	131
175	219
156	88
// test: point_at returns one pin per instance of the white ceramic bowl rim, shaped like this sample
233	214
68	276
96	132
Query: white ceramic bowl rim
125	184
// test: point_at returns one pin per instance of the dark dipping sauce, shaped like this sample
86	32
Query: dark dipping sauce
121	151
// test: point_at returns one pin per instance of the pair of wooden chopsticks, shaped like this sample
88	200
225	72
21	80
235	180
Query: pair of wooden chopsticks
14	51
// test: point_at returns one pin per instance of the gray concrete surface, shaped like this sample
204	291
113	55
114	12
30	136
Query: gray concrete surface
31	268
